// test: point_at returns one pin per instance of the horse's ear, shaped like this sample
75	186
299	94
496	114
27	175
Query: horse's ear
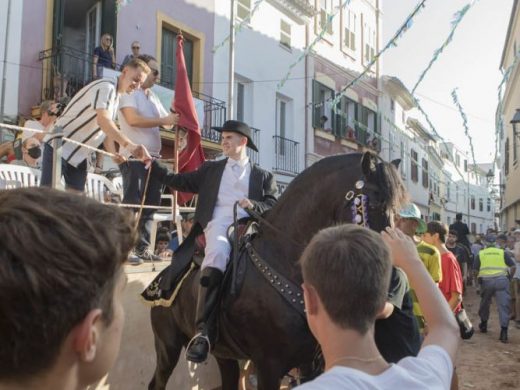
396	163
368	164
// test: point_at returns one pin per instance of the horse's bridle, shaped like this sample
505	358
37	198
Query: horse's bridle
357	201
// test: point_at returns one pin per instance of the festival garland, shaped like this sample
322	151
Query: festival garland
318	38
391	43
465	124
238	26
457	18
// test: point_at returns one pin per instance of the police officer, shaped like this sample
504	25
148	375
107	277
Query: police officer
492	265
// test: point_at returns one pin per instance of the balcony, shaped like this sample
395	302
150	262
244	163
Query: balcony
65	71
286	155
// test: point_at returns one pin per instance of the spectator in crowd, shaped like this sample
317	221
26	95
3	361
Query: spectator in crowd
396	331
31	153
136	47
104	56
141	114
88	118
48	115
409	221
476	247
461	252
341	308
12	150
186	225
515	307
451	284
61	323
462	230
492	265
163	239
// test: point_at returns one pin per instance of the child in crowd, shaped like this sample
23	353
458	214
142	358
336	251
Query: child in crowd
61	313
346	274
163	239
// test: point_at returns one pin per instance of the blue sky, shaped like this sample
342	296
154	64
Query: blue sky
470	62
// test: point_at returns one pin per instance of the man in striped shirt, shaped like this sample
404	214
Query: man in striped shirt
89	119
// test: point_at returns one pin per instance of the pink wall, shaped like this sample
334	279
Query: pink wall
137	22
33	35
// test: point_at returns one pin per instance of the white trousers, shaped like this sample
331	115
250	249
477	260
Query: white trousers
218	247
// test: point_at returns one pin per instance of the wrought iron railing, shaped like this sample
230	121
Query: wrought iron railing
66	72
286	155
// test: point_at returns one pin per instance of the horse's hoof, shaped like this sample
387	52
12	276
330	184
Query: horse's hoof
198	351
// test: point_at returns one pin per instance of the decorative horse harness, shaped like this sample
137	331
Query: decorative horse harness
290	291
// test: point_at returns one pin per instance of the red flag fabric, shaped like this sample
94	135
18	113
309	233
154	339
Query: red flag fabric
192	156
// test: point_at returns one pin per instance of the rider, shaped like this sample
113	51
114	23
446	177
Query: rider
219	184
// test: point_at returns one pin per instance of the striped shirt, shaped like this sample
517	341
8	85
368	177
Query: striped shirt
79	122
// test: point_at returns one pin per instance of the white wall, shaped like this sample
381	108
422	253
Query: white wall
12	60
259	56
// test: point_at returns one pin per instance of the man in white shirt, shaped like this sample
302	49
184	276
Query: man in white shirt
89	119
140	116
219	184
346	273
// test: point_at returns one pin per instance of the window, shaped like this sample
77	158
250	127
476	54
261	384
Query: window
326	9
472	202
322	113
368	129
506	157
473	228
370	43
243	9
448	185
465	165
240	94
424	164
413	166
348	116
449	220
515	144
457	160
392	104
168	56
349	29
480	204
488	204
403	160
285	34
281	122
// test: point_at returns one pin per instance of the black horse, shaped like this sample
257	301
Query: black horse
260	324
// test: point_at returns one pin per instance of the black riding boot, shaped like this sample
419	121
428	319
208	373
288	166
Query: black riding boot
200	345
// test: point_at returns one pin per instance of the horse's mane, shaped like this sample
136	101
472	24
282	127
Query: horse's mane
388	178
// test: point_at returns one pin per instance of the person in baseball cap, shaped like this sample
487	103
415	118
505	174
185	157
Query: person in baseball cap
411	213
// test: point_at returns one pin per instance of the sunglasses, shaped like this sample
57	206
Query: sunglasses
52	113
136	47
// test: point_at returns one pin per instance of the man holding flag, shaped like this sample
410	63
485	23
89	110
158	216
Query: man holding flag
219	184
141	115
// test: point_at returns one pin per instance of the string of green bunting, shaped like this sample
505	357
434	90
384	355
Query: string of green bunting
457	18
238	26
465	123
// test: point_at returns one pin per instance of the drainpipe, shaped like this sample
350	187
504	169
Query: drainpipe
231	81
306	144
4	70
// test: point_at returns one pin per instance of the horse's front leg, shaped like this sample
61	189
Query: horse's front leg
229	372
268	374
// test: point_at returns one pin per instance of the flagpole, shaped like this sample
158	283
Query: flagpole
231	113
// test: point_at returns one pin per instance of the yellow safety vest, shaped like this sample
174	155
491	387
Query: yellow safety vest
492	263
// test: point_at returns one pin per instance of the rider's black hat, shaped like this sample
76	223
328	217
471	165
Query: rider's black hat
240	128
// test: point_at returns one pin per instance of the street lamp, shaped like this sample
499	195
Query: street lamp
515	121
490	176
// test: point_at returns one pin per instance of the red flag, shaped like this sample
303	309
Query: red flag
192	156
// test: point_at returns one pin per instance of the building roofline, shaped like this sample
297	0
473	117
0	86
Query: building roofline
509	30
399	90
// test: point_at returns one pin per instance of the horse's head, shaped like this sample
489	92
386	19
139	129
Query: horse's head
376	195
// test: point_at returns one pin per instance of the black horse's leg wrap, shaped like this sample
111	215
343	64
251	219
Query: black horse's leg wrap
207	301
